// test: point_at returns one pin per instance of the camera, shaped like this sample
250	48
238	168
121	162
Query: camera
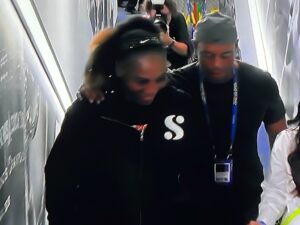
161	24
159	20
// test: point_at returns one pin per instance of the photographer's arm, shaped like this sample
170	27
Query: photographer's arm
178	47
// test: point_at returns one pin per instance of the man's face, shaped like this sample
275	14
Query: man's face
146	76
217	60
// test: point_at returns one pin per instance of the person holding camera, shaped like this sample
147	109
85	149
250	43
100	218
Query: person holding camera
176	37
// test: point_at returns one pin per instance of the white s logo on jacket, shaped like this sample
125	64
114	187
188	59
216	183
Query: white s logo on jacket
175	132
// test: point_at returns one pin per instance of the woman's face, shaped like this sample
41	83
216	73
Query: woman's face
145	77
165	10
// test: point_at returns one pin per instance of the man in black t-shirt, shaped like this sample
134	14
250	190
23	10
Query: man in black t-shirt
222	179
234	98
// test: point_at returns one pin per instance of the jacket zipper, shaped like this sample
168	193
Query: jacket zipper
141	132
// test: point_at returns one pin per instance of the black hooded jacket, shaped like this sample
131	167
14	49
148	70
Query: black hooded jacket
101	170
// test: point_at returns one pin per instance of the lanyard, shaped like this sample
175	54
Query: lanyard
234	111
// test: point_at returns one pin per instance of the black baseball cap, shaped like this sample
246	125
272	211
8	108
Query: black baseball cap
216	28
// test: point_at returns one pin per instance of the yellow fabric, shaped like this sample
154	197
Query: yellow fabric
214	9
291	217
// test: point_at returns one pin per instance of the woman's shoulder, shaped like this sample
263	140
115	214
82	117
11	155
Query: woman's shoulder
293	211
82	111
288	134
286	139
79	107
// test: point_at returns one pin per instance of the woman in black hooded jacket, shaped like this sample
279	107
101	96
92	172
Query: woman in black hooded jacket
123	161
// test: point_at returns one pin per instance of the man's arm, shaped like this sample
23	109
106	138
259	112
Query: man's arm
185	78
274	128
275	113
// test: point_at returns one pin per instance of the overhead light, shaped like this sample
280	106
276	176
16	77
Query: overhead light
35	30
158	2
258	37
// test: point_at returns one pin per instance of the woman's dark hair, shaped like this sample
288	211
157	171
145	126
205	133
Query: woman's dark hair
134	35
103	58
294	157
171	4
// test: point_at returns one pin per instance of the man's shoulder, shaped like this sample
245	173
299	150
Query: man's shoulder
186	71
255	76
253	72
185	77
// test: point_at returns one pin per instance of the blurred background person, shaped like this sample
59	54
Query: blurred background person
176	38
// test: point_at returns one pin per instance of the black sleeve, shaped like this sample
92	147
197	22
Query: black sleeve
60	172
182	34
275	108
185	78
